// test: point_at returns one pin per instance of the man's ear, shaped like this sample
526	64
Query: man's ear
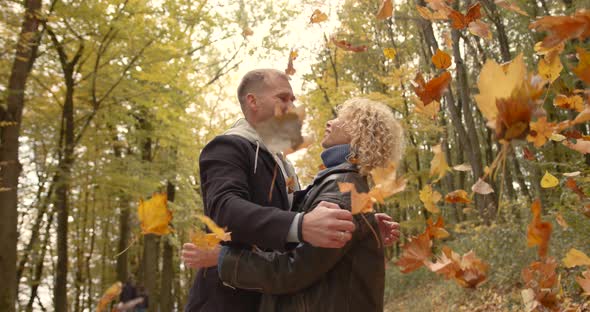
251	102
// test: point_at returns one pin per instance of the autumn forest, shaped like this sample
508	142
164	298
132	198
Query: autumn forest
106	106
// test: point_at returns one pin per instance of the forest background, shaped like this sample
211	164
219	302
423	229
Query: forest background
107	102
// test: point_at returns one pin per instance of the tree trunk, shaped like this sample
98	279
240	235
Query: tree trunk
10	166
38	270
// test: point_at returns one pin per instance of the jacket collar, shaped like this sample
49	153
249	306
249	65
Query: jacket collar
343	167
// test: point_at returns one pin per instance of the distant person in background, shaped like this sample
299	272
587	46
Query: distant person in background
129	292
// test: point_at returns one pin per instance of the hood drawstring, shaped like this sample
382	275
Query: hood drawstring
256	156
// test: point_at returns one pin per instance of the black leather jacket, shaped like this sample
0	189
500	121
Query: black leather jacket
317	279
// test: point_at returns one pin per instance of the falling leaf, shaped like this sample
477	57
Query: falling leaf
538	232
429	111
557	137
561	221
514	116
345	45
434	89
438	164
360	202
480	29
247	32
575	257
460	21
540	131
572	185
386	10
458	196
463	167
481	187
307	141
572	134
290	69
109	295
584	282
283	131
510	6
416	252
430	197
386	183
583	68
441	59
542	280
498	82
154	215
436	230
572	174
550	70
528	155
215	229
317	17
580	146
574	102
426	14
549	180
205	241
389	53
468	270
582	117
563	28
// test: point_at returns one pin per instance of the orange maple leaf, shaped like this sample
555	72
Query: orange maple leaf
458	196
574	102
468	270
563	28
416	253
154	215
317	17
386	10
460	21
538	232
109	295
436	230
360	202
441	59
434	89
540	131
583	68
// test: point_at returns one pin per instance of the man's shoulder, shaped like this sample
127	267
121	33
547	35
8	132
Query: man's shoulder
228	141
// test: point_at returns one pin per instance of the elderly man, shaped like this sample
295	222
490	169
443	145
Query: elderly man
237	172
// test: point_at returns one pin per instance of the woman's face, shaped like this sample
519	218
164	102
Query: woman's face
335	133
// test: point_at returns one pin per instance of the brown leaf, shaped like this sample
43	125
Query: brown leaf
434	89
436	230
457	196
574	102
563	28
345	45
247	32
584	282
538	232
416	252
441	59
528	154
468	270
542	279
386	10
317	17
290	69
460	21
480	29
481	187
583	67
572	185
561	221
510	6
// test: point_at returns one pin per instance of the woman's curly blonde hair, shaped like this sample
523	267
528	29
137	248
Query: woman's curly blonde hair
377	136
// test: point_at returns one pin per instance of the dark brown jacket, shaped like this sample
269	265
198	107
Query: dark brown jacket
317	279
236	178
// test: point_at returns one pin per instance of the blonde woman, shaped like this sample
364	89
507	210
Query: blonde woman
365	135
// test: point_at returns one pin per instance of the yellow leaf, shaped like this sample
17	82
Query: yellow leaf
549	181
360	202
438	164
583	68
429	111
557	137
389	53
540	131
576	257
214	228
550	70
386	9
154	215
441	59
109	295
430	198
574	102
317	17
498	82
386	183
204	240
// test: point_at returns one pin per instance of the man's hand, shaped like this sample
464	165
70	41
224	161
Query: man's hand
389	229
327	226
196	258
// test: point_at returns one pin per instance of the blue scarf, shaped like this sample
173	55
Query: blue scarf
335	155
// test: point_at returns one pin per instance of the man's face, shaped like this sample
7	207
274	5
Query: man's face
276	96
335	134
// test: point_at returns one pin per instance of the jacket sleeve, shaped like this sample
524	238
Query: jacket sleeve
288	272
224	168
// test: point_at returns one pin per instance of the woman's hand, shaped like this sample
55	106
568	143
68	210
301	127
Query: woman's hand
196	258
389	229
